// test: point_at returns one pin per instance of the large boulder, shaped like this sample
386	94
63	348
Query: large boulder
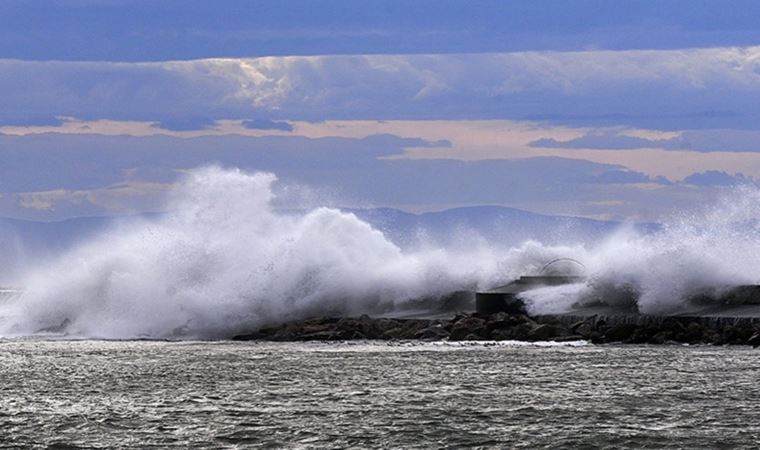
643	334
545	332
522	332
393	333
661	337
584	328
467	326
501	334
694	333
432	333
412	327
502	320
620	333
737	334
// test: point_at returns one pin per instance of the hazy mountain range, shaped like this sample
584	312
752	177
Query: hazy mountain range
493	223
497	224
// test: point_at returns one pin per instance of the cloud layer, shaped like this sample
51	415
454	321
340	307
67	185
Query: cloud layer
623	134
684	89
53	176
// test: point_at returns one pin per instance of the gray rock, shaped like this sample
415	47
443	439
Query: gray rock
501	335
585	329
545	332
393	333
467	326
433	333
620	333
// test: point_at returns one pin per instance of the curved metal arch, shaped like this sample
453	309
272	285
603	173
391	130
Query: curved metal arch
546	266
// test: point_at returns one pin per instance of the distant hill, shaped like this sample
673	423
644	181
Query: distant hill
498	224
51	236
22	240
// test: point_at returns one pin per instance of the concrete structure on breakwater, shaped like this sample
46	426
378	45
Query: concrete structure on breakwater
733	301
730	302
730	317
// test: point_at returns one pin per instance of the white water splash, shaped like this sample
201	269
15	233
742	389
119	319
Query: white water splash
697	252
223	261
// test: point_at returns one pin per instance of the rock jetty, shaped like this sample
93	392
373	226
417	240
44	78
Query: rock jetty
636	329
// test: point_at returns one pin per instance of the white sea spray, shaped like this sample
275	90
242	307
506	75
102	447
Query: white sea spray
224	260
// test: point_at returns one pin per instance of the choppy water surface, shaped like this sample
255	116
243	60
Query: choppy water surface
333	395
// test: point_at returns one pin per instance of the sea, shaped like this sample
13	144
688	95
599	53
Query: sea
364	394
118	341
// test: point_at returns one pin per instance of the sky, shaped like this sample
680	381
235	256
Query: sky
612	110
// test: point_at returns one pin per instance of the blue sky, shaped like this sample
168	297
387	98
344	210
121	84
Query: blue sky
622	110
145	30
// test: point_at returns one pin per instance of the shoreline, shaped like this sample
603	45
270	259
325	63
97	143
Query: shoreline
597	329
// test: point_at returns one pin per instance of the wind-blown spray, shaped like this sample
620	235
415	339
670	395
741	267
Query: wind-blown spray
223	260
703	252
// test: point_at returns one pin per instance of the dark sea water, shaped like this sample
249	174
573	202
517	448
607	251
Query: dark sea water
95	394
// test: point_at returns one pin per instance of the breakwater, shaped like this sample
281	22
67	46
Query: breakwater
635	329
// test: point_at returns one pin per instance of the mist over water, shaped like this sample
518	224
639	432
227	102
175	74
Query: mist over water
224	260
